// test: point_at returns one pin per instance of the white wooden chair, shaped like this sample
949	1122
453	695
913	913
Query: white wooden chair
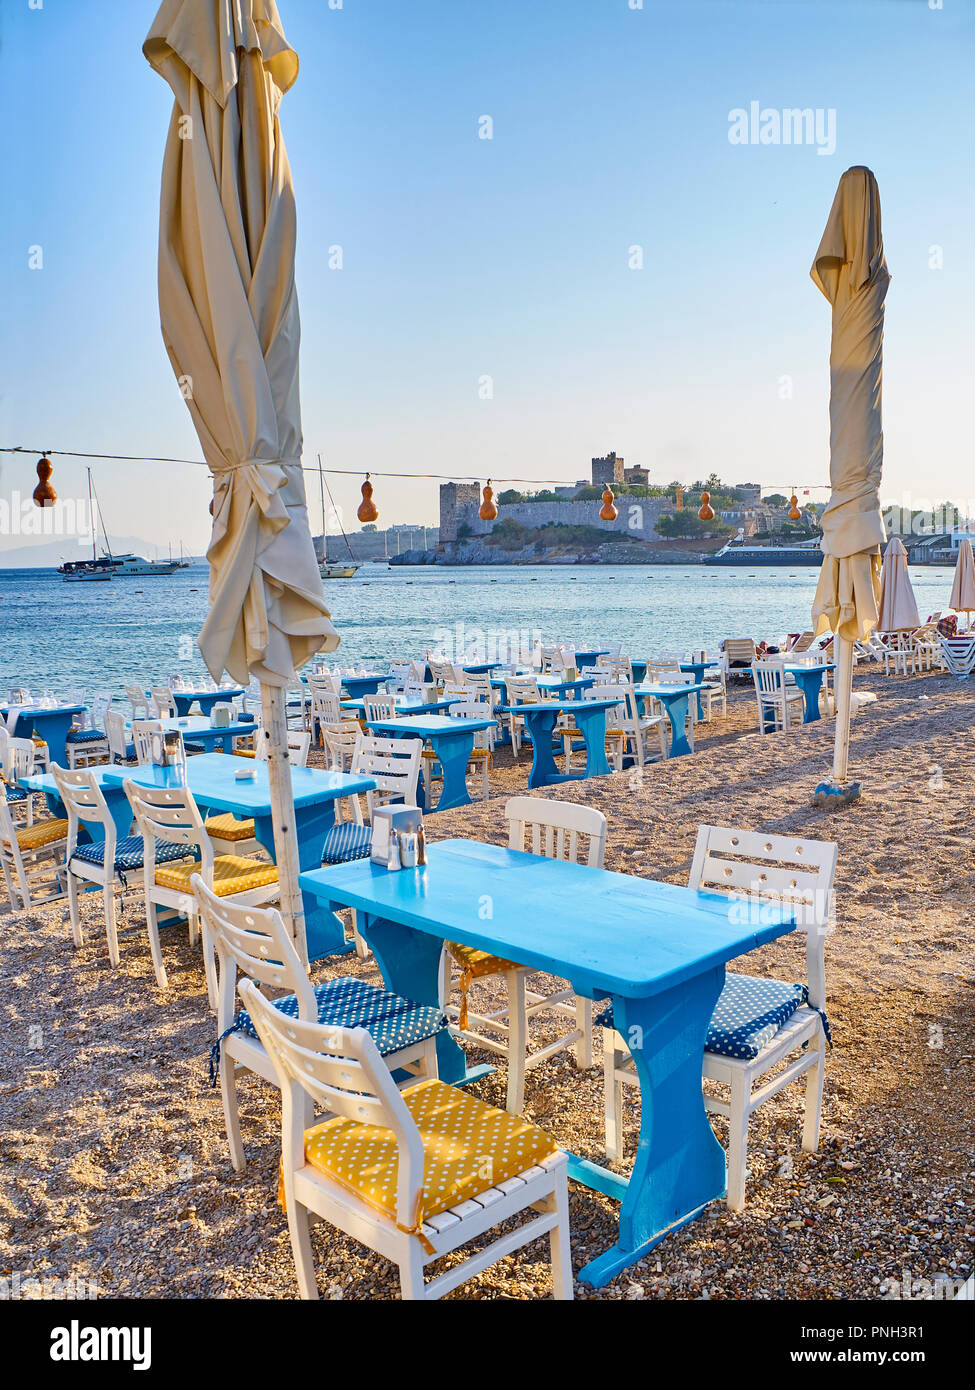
139	701
32	858
716	692
382	1172
776	699
619	669
88	743
378	707
557	830
444	671
120	747
142	732
325	709
170	814
758	1024
255	942
18	758
162	703
519	690
340	741
899	655
629	733
394	765
480	761
738	650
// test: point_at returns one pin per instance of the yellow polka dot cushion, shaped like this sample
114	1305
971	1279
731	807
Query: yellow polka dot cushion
474	964
228	827
231	874
468	1146
41	833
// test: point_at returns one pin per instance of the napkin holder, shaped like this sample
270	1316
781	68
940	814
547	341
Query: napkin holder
430	694
220	718
391	825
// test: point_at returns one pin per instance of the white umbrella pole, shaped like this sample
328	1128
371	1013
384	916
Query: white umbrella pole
842	689
273	705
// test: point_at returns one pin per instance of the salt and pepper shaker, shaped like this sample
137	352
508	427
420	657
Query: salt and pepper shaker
421	847
394	861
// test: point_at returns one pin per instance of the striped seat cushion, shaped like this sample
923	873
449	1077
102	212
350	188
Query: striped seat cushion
747	1016
231	874
41	833
229	828
86	736
346	842
129	852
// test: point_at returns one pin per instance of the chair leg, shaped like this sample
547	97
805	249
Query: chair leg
111	933
737	1144
583	1048
77	933
209	962
612	1094
411	1276
231	1113
361	949
814	1099
301	1248
152	923
560	1245
517	1040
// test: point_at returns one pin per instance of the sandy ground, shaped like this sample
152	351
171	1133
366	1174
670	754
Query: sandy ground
114	1162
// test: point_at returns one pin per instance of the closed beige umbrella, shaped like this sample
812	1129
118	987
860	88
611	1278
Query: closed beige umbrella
229	313
963	589
851	271
898	606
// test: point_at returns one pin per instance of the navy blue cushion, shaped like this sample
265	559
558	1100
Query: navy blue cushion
15	794
86	736
393	1022
346	842
130	852
747	1016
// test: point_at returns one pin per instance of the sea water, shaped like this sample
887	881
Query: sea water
57	636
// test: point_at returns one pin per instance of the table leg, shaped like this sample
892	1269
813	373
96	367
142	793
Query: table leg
592	723
541	724
324	929
679	1166
409	962
453	753
676	707
811	683
54	729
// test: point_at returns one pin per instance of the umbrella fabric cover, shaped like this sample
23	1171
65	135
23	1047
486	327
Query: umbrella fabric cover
898	606
229	314
963	589
851	271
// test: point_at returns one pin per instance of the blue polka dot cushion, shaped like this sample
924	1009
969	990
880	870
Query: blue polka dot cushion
394	1022
130	853
15	795
86	736
346	842
747	1016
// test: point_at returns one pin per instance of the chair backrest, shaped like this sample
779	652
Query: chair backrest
522	690
343	1073
163	702
776	870
393	764
170	814
102	703
255	942
475	709
399	674
142	732
739	649
458	690
82	798
553	658
139	701
115	732
299	741
768	676
554	829
378	707
21	758
803	642
443	671
4	752
325	707
322	683
478	684
340	743
618	668
622	710
11	860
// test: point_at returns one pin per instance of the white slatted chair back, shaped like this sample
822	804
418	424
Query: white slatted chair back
139	701
522	690
619	669
556	829
83	799
340	743
661	672
170	814
443	671
343	1073
325	707
254	942
739	649
102	703
393	764
399	675
142	732
299	742
378	707
458	690
163	702
475	709
22	756
478	684
323	683
553	659
5	767
11	860
612	649
778	870
115	732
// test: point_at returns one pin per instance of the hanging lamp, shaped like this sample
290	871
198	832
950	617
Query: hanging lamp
368	511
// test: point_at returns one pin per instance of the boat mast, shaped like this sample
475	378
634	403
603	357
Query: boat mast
91	513
331	499
321	489
92	493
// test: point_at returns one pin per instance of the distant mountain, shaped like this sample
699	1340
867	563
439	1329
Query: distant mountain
48	553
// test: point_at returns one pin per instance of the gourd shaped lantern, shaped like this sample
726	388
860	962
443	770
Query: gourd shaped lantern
368	511
44	494
609	512
707	511
794	513
488	510
679	498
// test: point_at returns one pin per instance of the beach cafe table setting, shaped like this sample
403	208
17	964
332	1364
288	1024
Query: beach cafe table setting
206	699
809	679
658	951
364	683
540	720
675	700
404	706
51	722
452	740
199	728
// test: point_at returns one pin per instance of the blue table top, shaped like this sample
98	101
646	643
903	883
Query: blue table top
566	706
692	665
44	781
429	725
192	724
608	932
406	706
658	690
549	682
794	666
210	776
35	710
356	676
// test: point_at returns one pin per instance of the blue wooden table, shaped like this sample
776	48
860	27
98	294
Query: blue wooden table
404	706
675	700
118	803
809	679
197	728
540	720
481	668
589	658
552	686
452	740
51	724
366	684
206	699
210	777
696	669
657	950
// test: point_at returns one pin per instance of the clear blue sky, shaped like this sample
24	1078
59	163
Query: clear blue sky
508	258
